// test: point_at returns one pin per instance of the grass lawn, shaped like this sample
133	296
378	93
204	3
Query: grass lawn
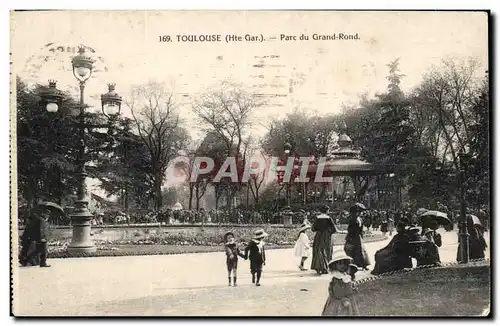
449	291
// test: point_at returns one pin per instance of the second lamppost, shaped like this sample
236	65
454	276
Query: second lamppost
286	148
464	234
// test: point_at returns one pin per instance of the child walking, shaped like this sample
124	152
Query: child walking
256	253
302	247
232	253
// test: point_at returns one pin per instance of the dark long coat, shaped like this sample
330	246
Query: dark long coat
354	246
35	231
322	243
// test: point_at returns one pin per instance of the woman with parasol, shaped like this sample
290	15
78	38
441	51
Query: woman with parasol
430	219
477	243
324	226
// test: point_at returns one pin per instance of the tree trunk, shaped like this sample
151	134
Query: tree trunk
248	194
217	195
190	205
197	197
126	200
158	199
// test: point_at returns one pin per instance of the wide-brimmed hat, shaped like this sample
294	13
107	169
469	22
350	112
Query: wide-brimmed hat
259	234
358	206
339	256
304	227
227	235
301	211
413	228
426	230
421	211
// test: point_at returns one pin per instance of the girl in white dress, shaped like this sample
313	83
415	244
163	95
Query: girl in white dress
302	247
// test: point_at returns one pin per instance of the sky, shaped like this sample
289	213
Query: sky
323	74
315	75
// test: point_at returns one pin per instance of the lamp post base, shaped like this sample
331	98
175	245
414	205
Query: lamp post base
287	220
81	241
81	249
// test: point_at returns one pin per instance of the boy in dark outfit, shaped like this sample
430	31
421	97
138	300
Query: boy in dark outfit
232	253
256	253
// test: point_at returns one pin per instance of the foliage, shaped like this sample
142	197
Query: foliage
309	135
125	170
46	155
160	129
225	114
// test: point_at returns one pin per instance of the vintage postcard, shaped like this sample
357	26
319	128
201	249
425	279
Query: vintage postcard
250	163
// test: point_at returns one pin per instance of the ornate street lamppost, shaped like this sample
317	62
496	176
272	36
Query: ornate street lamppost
81	217
111	105
464	234
52	97
286	148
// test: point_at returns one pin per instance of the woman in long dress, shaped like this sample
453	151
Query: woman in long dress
322	243
477	243
341	301
354	246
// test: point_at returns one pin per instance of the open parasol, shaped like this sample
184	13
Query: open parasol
475	219
53	207
439	217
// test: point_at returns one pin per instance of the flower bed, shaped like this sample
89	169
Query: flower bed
166	241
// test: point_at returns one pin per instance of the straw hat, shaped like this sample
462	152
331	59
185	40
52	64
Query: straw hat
338	256
304	227
259	234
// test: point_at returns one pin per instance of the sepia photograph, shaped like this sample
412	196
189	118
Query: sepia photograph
287	163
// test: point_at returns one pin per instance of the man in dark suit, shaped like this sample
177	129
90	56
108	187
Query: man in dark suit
35	238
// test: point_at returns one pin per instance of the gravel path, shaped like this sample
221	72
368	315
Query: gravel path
178	285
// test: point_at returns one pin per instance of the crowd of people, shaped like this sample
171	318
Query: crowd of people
190	216
420	242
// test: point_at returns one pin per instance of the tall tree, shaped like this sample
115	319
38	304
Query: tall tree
158	126
454	95
125	170
46	156
225	113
